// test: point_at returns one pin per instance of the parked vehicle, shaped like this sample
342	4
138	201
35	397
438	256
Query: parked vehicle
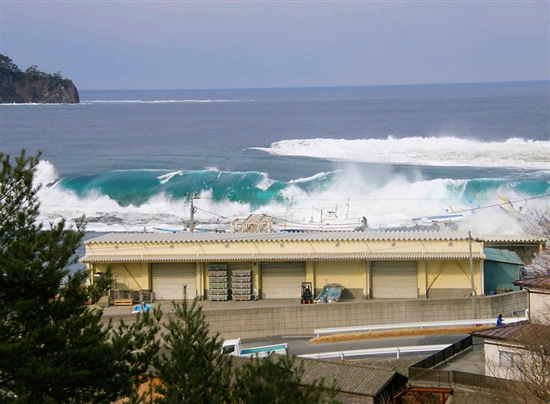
307	294
234	347
330	294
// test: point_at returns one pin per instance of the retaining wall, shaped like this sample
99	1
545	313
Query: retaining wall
294	320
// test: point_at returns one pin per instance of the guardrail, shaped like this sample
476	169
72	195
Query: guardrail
402	326
376	351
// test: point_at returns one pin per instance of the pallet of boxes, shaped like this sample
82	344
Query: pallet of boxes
241	283
218	285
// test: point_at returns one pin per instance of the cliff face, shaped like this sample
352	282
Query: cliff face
34	86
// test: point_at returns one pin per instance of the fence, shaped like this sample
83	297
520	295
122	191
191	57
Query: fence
422	371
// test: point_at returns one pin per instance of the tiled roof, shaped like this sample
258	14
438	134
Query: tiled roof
523	333
538	282
280	237
351	378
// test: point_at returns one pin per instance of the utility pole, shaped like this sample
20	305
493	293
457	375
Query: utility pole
472	275
191	195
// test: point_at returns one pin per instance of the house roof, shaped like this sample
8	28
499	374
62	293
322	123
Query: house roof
508	257
351	378
213	237
538	282
524	333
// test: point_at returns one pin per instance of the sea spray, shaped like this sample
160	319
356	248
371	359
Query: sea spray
138	199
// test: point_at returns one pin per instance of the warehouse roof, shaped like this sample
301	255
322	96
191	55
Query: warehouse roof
507	238
275	257
213	237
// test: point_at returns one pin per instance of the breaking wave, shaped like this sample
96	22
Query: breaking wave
134	200
421	151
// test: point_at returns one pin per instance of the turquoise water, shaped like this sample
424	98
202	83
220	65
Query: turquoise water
129	160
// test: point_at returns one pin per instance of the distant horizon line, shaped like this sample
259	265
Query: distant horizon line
320	87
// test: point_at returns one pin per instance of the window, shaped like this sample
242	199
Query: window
510	359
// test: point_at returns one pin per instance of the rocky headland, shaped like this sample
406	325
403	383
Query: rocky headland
34	86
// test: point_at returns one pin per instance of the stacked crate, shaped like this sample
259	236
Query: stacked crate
241	281
217	282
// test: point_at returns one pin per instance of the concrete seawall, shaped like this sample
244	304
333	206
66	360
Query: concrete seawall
289	318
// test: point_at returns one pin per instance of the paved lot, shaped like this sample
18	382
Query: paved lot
210	305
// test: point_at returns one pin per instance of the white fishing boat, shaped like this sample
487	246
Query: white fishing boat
329	223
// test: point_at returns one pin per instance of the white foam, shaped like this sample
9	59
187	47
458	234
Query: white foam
425	151
167	177
265	183
160	101
385	199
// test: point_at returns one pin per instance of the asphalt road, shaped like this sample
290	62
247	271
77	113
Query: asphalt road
302	346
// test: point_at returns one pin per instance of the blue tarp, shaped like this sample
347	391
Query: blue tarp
509	257
501	268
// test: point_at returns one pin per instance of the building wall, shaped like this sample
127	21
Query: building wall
506	361
437	278
127	276
539	307
450	278
350	274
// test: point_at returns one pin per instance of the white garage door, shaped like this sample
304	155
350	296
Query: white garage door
282	280
394	280
168	280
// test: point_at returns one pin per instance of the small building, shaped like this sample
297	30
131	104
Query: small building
501	269
356	382
539	297
524	246
514	350
369	265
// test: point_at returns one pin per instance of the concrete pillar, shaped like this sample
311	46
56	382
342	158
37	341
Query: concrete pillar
481	277
422	279
256	280
367	283
199	280
310	273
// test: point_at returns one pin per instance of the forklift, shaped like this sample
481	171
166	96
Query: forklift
307	293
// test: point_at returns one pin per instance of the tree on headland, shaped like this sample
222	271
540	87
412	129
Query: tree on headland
54	348
33	85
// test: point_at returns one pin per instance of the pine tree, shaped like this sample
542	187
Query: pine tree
192	368
53	348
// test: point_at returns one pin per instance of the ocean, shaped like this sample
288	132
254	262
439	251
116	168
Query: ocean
477	154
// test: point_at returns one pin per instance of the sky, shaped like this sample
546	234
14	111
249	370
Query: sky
108	45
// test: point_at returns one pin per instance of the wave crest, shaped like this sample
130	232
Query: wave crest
420	151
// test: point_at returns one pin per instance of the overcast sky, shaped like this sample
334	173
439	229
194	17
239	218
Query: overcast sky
257	44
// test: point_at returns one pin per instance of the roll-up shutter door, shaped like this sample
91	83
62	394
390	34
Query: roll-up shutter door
394	280
168	280
282	280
